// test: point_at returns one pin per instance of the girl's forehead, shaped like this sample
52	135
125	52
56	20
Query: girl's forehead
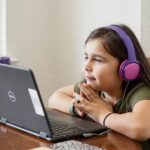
95	46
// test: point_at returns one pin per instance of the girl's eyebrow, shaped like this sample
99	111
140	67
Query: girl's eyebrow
95	55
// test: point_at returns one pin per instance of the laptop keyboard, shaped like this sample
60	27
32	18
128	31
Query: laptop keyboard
60	128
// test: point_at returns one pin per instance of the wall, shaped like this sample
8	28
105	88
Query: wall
145	28
48	35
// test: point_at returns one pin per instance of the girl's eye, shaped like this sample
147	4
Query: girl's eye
97	59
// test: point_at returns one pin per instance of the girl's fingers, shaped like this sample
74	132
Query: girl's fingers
77	97
82	104
88	92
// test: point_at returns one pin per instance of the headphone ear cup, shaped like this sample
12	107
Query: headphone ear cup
129	71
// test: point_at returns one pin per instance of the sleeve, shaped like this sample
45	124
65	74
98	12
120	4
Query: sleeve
76	88
142	93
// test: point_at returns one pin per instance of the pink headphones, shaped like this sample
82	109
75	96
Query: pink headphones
129	68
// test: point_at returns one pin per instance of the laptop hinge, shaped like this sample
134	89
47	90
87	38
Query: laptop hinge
3	120
43	135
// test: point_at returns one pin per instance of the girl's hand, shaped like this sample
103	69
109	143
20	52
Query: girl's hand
92	104
77	111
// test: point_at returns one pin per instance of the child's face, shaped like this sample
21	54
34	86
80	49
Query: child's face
100	68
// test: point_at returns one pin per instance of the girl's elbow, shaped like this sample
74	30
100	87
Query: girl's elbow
50	103
51	100
139	133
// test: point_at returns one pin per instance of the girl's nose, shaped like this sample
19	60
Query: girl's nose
87	66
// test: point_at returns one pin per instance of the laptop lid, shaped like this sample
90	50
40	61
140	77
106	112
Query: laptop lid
21	106
20	101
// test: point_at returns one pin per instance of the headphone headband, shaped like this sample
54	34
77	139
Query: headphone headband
129	68
126	41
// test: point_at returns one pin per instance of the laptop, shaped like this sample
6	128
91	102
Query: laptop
21	107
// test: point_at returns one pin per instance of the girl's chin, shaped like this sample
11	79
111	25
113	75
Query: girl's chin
94	87
89	83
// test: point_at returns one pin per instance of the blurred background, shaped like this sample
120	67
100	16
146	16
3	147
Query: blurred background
48	35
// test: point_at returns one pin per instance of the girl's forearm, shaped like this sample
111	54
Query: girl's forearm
127	124
60	101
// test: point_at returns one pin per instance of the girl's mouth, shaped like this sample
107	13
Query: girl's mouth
88	78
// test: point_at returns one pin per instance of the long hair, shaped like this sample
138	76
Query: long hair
115	47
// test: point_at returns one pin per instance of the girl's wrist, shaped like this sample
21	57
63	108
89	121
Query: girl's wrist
71	108
103	119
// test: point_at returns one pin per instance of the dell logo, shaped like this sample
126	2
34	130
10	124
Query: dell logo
11	96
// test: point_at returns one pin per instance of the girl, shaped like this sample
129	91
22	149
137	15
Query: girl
115	91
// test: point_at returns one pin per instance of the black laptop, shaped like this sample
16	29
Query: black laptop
21	107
